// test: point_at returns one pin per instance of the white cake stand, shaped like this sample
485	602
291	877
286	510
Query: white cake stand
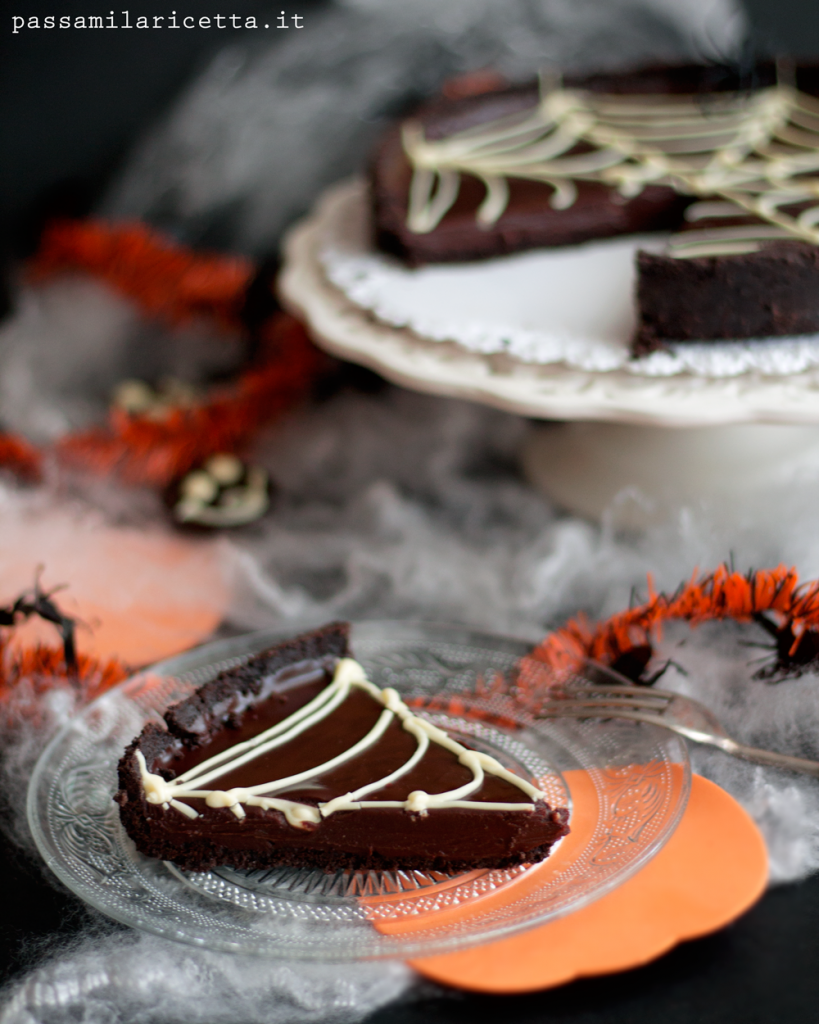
618	438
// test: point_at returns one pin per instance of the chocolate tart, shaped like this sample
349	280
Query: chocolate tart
444	188
358	780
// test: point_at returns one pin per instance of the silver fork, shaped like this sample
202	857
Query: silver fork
583	698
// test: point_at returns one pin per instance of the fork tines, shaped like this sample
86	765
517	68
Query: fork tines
580	697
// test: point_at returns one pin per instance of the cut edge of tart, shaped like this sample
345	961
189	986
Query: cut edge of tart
296	759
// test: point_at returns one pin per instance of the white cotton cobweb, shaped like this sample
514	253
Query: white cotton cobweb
129	976
73	340
713	665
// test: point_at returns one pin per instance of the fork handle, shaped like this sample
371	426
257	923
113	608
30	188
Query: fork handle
796	764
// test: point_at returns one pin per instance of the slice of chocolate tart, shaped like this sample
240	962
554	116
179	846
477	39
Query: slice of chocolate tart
296	759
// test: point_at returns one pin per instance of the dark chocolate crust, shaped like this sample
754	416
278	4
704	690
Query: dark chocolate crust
765	294
528	222
446	839
424	835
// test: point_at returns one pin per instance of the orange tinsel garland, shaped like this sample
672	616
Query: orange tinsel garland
173	282
771	597
165	278
144	450
25	673
774	598
20	457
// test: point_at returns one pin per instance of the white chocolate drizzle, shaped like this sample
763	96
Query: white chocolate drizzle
757	153
348	674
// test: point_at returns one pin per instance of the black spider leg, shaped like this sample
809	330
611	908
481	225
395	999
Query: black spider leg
48	610
770	627
661	671
755	645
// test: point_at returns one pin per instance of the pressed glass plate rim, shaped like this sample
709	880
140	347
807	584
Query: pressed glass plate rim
413	944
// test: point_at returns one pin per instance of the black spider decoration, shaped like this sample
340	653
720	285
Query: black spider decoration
39	602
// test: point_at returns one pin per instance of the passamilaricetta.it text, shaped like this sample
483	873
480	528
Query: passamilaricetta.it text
123	19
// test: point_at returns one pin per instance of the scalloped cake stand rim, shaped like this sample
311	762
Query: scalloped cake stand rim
551	391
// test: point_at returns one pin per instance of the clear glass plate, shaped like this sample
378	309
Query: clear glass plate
637	780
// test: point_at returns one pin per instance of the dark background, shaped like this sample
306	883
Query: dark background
70	104
71	101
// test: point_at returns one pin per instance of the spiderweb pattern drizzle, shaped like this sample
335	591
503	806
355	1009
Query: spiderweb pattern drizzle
758	153
349	674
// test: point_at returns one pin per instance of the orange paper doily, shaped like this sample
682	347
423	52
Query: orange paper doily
713	869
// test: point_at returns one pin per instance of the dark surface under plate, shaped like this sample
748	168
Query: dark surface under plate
761	970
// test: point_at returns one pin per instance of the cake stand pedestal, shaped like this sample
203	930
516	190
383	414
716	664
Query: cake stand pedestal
637	444
639	474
